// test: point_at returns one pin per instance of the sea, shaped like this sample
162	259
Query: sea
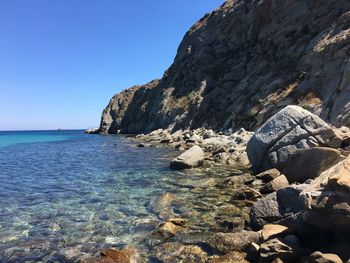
66	195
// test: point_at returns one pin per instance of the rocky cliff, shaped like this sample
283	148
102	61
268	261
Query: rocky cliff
242	63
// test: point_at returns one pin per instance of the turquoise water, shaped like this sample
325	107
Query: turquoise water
65	195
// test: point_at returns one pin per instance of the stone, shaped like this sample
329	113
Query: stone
309	163
318	257
161	205
231	257
289	130
246	193
327	199
272	230
286	249
176	252
276	184
239	241
191	158
268	175
169	229
112	255
276	206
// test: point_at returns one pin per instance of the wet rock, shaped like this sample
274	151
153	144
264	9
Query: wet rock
283	134
171	252
193	157
169	229
246	193
272	230
268	175
231	257
239	241
112	255
309	163
287	249
238	180
161	205
318	257
276	184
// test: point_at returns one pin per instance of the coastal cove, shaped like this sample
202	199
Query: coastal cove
69	195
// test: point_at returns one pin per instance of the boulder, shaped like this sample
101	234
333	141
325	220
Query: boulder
309	163
276	206
161	205
268	175
284	133
318	257
287	249
191	158
276	184
327	199
238	241
169	229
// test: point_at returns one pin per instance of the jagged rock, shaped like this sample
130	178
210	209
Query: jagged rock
193	157
239	241
287	249
318	257
268	175
276	184
231	257
271	230
243	62
176	252
309	163
327	199
283	134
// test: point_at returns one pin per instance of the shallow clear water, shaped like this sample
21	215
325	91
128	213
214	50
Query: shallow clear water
65	194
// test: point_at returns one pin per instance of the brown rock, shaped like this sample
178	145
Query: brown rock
287	249
246	193
231	257
318	257
111	255
239	241
171	252
276	184
268	175
272	230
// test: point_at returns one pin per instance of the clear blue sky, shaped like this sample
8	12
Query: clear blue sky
62	60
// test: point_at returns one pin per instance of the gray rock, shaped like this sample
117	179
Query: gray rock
309	163
283	134
193	157
276	206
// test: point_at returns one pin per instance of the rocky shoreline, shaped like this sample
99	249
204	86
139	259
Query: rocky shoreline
296	194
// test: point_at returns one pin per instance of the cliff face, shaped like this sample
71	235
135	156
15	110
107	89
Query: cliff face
242	63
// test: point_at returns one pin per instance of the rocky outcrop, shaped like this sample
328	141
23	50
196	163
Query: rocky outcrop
243	62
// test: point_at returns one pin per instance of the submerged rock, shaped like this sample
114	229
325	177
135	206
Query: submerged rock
239	241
